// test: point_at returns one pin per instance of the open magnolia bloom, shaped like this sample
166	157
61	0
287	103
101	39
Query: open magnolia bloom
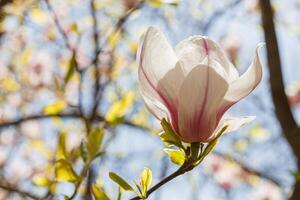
193	85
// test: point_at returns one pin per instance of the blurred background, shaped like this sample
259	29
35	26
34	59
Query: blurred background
68	68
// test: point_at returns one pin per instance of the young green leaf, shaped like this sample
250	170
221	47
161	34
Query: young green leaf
119	193
65	172
94	142
176	156
195	150
71	68
141	193
120	181
55	107
83	151
168	136
118	109
61	149
146	180
99	194
212	144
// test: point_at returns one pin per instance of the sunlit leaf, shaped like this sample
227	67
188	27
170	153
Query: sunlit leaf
259	133
140	190
55	108
99	194
73	27
65	172
10	85
119	193
40	147
71	68
114	38
146	179
38	15
61	149
41	181
84	151
168	136
176	156
117	111
94	142
120	181
211	145
25	56
163	2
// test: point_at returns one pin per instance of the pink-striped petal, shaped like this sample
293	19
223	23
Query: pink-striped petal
202	91
155	56
194	50
232	123
246	83
160	75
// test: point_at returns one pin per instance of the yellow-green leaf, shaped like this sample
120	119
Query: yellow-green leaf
41	181
71	68
120	181
99	194
94	142
61	148
212	144
146	179
65	172
176	156
117	111
163	2
55	107
168	136
259	133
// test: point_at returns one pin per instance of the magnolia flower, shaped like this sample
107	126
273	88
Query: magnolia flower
193	85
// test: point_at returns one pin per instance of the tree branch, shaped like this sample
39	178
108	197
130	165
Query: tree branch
175	174
283	111
11	188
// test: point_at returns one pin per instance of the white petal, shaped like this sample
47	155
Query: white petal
201	93
193	51
151	97
156	108
245	84
234	123
159	76
155	56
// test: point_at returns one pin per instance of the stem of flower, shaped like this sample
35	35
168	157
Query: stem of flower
183	169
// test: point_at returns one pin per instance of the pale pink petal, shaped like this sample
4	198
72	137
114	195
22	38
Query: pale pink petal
159	74
245	84
156	108
194	50
201	93
232	123
155	56
151	97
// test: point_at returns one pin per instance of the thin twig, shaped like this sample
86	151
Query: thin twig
167	179
11	188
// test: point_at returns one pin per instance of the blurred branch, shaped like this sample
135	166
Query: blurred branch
4	3
183	169
58	25
117	27
247	169
12	188
217	14
96	58
98	118
282	108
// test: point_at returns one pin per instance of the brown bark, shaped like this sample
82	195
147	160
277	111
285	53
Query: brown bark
290	129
